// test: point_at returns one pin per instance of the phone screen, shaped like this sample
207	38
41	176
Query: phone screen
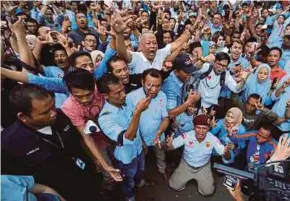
230	182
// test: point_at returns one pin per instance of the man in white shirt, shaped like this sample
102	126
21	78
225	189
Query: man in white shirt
149	55
195	163
210	86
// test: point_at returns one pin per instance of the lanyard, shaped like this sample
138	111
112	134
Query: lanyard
52	143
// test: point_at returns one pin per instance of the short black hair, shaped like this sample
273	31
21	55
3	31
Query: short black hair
276	48
80	79
106	80
31	20
152	72
251	40
255	96
57	47
262	53
267	127
144	11
194	45
73	57
222	56
21	97
167	11
90	34
112	60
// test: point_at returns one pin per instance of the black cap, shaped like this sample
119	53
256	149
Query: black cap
184	63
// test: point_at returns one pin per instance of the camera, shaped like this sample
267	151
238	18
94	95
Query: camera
268	182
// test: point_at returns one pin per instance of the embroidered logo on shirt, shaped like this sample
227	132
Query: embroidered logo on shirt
190	143
32	151
66	128
209	77
207	144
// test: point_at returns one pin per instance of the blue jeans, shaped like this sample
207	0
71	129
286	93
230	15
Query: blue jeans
133	174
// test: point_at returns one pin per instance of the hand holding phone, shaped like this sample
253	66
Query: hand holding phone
230	182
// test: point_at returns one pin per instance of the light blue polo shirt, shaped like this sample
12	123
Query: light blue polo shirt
172	87
280	105
221	132
152	116
56	72
198	154
184	123
17	188
284	61
114	122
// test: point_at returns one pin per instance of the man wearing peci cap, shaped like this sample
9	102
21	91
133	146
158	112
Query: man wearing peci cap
195	163
175	86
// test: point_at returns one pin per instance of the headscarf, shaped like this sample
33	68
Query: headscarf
238	116
253	86
95	54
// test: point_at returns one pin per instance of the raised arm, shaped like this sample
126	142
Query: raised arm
25	53
119	27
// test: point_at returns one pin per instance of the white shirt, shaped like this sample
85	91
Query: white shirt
197	154
210	88
45	130
140	63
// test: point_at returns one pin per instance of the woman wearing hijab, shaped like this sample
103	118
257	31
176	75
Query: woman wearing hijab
97	57
259	83
228	128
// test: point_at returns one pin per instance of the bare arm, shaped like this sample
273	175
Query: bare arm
14	45
182	39
173	55
14	75
25	53
134	124
287	113
40	188
119	26
133	127
97	156
193	97
163	126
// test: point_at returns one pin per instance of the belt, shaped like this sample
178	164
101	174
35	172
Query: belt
195	168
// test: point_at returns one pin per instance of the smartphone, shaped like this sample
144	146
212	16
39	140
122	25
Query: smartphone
230	182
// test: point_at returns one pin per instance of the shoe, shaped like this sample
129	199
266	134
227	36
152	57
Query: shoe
146	183
130	199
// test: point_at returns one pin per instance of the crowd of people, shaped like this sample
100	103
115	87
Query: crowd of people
90	87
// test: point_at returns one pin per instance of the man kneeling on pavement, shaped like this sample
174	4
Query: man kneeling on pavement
195	163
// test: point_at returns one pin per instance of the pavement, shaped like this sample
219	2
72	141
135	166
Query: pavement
161	191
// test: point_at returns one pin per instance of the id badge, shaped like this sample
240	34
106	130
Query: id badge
80	163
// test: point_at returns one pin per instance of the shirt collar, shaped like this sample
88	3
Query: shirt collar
175	78
45	130
112	108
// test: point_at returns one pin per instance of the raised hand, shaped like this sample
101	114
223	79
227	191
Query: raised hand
169	140
192	97
120	24
18	27
143	104
282	151
115	173
259	105
157	140
213	122
286	83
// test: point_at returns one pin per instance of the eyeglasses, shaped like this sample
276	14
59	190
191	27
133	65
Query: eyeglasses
91	40
222	65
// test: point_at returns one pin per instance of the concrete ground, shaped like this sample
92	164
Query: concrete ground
161	191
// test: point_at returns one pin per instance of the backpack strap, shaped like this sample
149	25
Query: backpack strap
223	78
205	74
